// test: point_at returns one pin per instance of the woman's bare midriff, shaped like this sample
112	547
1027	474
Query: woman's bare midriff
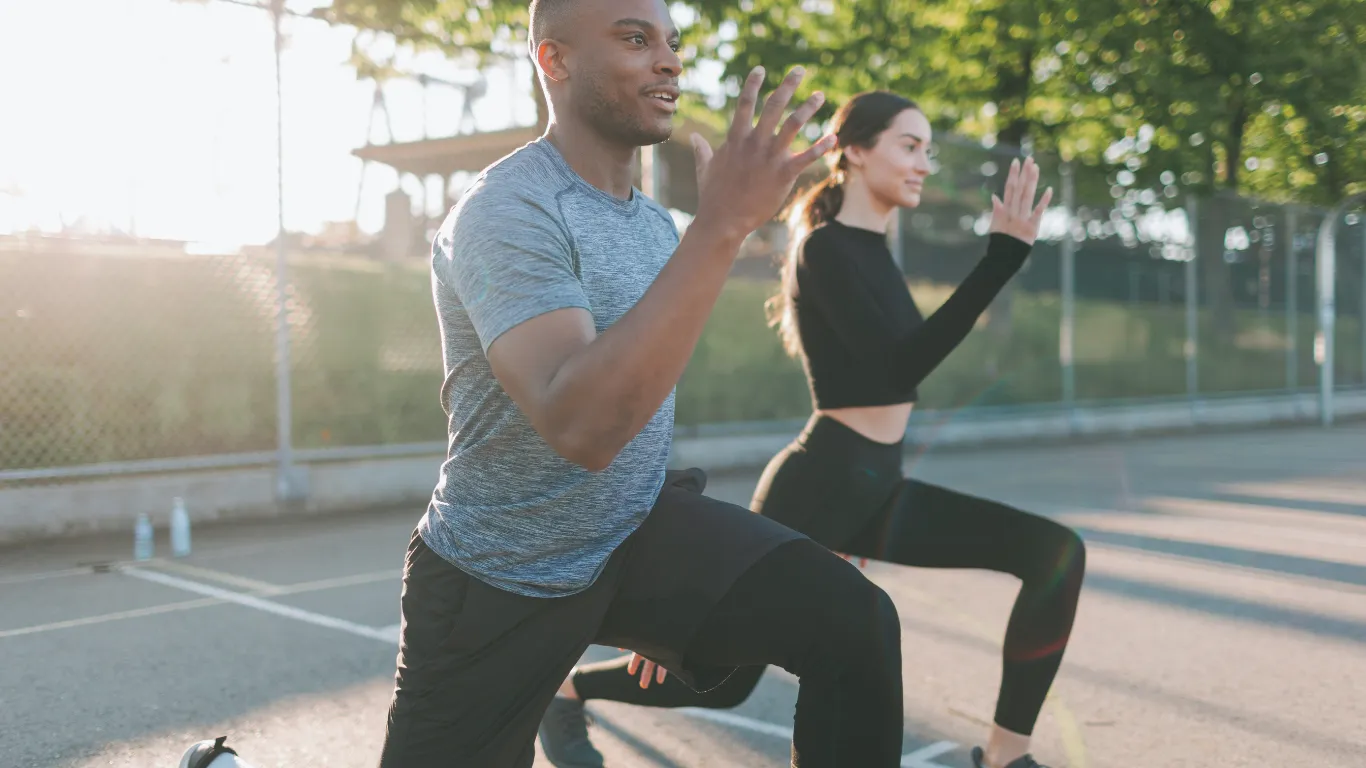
879	423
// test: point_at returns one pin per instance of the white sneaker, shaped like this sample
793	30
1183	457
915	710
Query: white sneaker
212	753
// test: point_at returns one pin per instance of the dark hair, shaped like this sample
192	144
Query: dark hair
544	15
858	123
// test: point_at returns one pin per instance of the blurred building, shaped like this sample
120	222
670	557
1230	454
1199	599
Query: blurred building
407	235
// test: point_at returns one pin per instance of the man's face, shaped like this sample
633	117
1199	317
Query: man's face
624	69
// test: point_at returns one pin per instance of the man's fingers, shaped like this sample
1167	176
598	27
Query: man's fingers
660	674
633	665
743	121
702	153
777	102
799	118
646	673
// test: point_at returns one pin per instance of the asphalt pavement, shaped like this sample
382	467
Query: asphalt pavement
1222	622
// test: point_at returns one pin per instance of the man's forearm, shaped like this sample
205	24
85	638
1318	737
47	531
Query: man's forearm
604	395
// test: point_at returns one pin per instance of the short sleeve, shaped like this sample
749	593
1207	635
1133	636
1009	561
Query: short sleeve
508	259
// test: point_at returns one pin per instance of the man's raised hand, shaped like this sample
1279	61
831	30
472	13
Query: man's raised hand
743	183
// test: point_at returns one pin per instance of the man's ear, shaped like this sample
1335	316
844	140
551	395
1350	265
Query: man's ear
550	58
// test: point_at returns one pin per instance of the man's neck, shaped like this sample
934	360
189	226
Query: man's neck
604	164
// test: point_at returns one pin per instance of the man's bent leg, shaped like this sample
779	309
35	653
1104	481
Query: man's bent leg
710	586
478	666
815	615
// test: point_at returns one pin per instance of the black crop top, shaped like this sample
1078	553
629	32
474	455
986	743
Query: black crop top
864	341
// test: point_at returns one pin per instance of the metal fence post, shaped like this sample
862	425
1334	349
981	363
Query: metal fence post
1324	342
1326	266
287	486
1292	304
1067	329
1192	304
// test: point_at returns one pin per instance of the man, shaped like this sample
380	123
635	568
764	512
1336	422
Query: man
568	308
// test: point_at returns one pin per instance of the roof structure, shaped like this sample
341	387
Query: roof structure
471	152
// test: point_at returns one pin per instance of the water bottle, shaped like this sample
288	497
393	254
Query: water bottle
180	529
143	545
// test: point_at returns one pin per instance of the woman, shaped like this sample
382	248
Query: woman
845	312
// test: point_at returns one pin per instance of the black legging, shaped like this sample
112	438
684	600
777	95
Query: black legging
848	493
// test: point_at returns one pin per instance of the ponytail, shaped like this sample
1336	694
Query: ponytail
858	123
814	207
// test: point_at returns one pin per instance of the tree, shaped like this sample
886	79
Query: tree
1228	96
1210	78
985	68
492	30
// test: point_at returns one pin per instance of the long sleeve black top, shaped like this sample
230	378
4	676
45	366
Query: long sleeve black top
864	341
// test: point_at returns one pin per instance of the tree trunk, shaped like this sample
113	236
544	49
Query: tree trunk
1217	274
1237	127
1012	94
1216	214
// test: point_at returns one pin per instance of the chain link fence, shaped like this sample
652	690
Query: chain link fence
119	352
1130	295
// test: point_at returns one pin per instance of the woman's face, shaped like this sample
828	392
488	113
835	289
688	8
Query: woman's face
894	169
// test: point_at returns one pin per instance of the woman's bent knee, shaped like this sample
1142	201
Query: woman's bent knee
1056	556
1073	558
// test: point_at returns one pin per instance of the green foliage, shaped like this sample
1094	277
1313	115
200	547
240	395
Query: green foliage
490	28
1195	87
1265	97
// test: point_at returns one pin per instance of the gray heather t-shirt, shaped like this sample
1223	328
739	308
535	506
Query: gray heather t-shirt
529	237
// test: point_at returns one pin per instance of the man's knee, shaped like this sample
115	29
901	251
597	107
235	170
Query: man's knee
885	623
864	619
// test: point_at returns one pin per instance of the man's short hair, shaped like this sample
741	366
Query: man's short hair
547	16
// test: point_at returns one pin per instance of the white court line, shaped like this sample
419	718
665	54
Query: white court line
222	577
340	581
389	635
279	609
102	618
137	613
918	759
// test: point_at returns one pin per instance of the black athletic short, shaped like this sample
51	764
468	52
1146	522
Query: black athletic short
478	666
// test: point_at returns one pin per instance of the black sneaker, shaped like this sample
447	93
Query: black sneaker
979	758
564	736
